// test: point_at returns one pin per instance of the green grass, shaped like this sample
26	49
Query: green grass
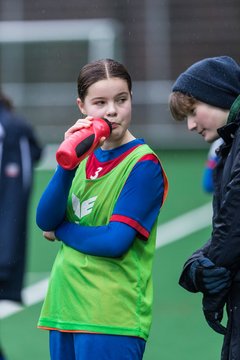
179	330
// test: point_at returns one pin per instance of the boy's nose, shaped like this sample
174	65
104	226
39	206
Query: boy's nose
191	123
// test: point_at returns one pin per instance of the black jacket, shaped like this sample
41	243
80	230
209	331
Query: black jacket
19	150
223	248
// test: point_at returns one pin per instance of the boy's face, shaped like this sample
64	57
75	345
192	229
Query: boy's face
206	119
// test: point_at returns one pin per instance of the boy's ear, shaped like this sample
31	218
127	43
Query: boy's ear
80	105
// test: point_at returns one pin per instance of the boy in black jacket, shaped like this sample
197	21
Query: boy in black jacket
207	96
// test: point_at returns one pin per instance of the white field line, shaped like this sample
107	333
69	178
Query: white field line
184	225
32	294
171	231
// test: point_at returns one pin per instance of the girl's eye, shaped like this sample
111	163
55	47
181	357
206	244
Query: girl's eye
121	100
100	102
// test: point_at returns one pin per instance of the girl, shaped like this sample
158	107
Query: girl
105	214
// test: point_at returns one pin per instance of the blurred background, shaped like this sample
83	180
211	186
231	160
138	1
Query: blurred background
43	45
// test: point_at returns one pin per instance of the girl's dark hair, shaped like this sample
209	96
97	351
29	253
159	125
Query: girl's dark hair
5	101
181	105
100	70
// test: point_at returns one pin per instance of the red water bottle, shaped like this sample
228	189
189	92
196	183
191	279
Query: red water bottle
81	143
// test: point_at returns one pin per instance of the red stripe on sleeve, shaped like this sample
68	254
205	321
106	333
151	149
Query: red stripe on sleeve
151	157
124	219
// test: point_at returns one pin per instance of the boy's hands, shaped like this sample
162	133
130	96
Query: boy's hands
209	278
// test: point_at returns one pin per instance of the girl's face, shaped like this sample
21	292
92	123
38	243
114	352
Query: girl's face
111	99
206	119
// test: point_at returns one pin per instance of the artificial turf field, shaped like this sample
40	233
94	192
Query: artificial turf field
179	330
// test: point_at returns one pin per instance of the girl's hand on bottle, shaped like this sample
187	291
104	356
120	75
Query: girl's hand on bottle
79	124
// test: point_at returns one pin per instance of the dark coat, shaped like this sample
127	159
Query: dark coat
224	246
19	150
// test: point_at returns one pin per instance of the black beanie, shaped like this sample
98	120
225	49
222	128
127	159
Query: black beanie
214	81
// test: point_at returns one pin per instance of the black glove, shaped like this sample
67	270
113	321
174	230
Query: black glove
208	278
213	306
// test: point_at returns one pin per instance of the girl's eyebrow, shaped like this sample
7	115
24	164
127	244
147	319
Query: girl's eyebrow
122	93
104	97
98	97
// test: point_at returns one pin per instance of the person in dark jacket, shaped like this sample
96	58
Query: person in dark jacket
207	96
19	151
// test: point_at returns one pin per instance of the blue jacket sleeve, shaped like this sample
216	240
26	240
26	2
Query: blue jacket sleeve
207	181
211	163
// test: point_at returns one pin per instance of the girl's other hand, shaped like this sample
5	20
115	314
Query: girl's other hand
49	235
